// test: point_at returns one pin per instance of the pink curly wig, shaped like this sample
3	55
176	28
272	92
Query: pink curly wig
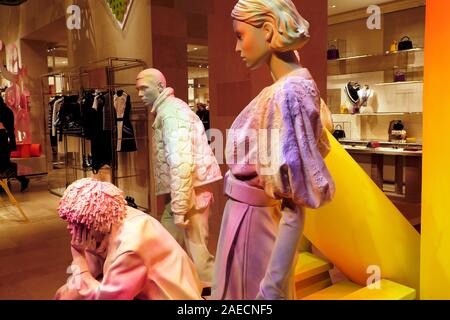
93	203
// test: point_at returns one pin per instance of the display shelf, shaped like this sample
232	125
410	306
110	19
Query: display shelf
387	54
410	60
379	114
386	113
397	83
382	143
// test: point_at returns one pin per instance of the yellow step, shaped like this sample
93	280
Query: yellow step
388	291
311	275
309	265
335	292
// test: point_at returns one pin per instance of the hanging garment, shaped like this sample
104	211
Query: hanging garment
7	119
101	143
87	114
52	112
126	141
8	169
4	150
70	116
55	120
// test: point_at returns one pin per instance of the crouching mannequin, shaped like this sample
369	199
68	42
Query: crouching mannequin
185	168
120	253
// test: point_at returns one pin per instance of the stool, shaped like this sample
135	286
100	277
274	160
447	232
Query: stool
14	202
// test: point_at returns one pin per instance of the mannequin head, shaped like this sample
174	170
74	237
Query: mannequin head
264	27
150	83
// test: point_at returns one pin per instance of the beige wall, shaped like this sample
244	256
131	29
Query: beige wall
101	37
9	17
18	22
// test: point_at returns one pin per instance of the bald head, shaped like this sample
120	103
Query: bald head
150	83
152	75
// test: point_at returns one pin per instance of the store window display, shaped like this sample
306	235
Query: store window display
264	216
185	168
120	253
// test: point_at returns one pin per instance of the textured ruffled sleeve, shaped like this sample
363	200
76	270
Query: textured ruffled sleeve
296	169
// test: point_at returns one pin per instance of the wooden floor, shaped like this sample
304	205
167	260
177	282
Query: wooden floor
34	256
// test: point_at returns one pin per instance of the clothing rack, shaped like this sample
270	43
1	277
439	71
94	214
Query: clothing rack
74	82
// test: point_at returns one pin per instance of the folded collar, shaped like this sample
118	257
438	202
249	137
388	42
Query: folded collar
168	92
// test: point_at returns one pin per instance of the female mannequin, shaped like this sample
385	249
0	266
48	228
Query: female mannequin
264	216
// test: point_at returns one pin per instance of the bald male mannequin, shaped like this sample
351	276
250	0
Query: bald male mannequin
185	168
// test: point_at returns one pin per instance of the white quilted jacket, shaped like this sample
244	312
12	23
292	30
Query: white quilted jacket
184	160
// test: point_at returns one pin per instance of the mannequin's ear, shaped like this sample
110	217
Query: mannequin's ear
268	31
160	87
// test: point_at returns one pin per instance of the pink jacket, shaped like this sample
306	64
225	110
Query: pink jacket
143	262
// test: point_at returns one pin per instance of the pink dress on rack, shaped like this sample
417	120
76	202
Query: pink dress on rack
275	150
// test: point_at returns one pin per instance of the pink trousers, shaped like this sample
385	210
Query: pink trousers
247	237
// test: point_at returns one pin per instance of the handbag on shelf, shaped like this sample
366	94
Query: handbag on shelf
333	53
394	46
405	44
338	132
399	76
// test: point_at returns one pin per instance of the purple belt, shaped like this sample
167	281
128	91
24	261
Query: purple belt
242	192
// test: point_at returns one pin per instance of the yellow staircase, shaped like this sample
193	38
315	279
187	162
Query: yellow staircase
313	282
311	274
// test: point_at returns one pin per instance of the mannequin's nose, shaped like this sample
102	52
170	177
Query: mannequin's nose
238	47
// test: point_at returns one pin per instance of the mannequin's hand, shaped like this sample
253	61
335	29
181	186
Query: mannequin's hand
178	220
82	239
79	244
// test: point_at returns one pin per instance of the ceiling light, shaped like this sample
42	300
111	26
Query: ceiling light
333	6
195	49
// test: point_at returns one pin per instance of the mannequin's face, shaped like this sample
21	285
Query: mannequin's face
149	90
253	43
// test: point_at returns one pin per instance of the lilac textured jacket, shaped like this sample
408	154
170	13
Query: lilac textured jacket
279	141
